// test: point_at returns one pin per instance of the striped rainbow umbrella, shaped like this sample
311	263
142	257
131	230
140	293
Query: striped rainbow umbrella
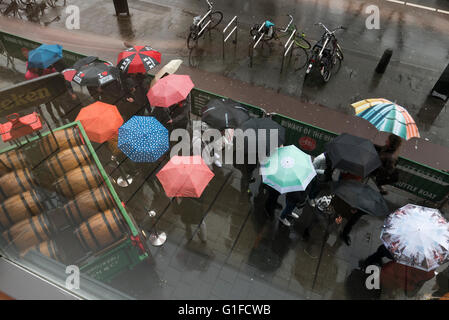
387	116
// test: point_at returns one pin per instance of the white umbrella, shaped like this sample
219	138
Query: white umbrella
170	68
417	237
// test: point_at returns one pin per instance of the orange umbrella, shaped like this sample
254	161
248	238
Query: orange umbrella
185	176
100	121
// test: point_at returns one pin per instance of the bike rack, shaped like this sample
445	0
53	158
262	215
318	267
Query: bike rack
253	46
226	37
287	48
201	21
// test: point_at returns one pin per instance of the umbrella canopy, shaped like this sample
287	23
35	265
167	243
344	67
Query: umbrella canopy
171	67
288	169
224	113
143	139
387	116
185	176
85	61
96	74
100	121
44	56
170	90
353	154
417	237
362	197
261	126
138	59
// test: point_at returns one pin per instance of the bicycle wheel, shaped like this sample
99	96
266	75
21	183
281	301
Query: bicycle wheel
339	52
302	42
299	58
192	40
215	18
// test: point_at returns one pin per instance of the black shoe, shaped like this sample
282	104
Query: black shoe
345	238
306	235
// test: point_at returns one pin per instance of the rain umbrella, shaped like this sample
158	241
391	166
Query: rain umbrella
288	169
362	197
417	237
387	116
44	56
171	67
185	176
353	154
138	59
100	121
96	74
170	90
224	113
263	128
69	73
143	139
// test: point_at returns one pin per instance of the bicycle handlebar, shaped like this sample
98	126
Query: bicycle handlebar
327	30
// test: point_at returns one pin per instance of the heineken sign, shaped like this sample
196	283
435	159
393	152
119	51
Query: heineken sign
31	93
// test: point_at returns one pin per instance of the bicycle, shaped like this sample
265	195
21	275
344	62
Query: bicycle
205	23
326	56
268	31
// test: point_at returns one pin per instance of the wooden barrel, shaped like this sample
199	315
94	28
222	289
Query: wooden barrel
87	204
47	248
16	182
12	160
20	207
29	232
67	160
101	230
62	139
78	180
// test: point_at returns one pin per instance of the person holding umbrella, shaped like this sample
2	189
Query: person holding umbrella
416	239
387	174
357	199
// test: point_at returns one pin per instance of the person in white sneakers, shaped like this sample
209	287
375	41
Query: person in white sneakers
292	200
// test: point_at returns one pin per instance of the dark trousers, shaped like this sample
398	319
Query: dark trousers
376	258
314	188
270	203
351	222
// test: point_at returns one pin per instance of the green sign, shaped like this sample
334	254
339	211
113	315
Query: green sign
422	181
31	93
309	139
200	99
113	262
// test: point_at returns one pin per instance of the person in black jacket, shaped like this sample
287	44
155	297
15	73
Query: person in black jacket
388	154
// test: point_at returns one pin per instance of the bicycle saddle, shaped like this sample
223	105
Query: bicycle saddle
269	24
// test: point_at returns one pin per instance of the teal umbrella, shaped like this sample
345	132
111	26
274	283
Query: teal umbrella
288	169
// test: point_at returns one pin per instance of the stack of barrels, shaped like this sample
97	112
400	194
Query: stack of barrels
25	222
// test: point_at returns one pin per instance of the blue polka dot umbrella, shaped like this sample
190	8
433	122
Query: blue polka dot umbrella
143	139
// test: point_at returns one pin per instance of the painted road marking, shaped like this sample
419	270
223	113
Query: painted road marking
418	6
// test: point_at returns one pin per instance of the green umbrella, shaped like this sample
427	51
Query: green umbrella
288	169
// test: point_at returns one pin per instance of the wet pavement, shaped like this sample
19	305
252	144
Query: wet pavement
247	255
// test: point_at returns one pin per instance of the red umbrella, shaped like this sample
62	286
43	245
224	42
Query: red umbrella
170	90
138	59
100	121
185	176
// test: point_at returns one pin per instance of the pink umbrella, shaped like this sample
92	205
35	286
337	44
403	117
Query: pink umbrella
170	90
185	176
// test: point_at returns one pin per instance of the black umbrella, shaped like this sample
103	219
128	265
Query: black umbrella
362	197
96	74
224	113
84	62
353	154
260	126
